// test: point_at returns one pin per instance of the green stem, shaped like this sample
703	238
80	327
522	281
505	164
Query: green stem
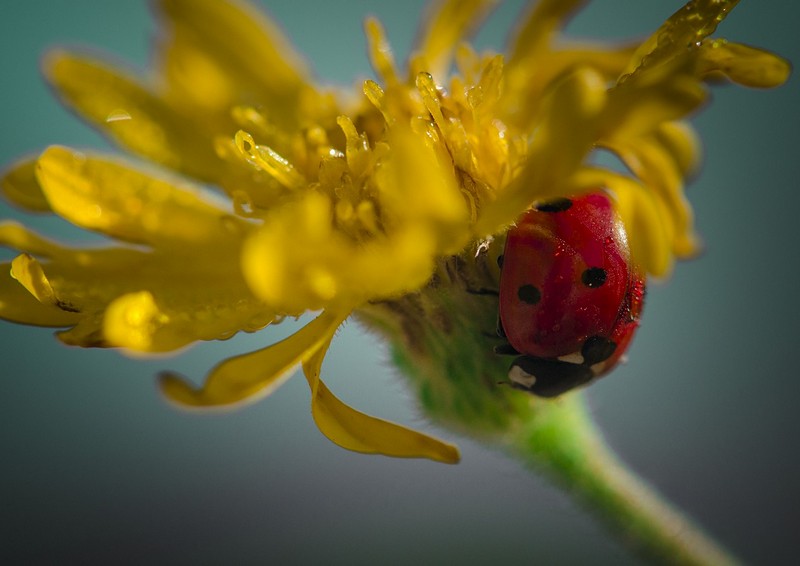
566	444
440	341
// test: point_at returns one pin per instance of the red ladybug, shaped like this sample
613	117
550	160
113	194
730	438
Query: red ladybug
570	297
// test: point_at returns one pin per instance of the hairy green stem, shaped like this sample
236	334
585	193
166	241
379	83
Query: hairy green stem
564	443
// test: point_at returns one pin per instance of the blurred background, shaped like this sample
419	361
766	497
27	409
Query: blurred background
97	467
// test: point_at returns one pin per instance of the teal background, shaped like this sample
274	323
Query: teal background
97	467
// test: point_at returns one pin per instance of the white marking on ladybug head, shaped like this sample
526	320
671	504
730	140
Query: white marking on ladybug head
573	358
519	376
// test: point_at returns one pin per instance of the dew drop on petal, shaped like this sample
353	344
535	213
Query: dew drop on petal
94	211
259	321
243	203
226	335
118	115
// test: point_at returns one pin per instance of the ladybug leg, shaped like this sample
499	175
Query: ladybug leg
546	377
483	291
504	348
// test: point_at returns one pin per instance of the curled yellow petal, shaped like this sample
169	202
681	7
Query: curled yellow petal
256	374
658	171
360	432
682	143
29	272
743	64
682	31
17	304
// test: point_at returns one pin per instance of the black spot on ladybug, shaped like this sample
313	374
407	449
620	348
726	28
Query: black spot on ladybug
555	205
597	349
551	378
594	277
500	259
529	294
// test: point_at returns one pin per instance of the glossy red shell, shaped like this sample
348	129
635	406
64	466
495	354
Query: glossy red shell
576	257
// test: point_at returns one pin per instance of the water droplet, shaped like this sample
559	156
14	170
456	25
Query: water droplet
243	203
118	115
94	211
78	160
258	322
226	335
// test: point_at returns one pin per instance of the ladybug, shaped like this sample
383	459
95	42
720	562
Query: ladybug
570	297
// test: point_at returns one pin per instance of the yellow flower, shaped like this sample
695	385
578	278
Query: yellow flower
388	203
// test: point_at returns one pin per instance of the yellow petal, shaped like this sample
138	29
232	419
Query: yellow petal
19	186
663	94
17	304
682	31
660	173
360	432
133	115
560	144
525	86
152	315
30	274
219	54
536	32
682	143
133	320
255	374
297	261
122	202
190	298
743	64
380	52
15	235
445	27
416	187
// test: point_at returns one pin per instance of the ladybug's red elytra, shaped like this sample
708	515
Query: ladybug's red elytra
570	296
